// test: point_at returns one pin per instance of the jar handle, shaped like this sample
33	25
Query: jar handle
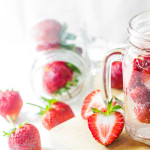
113	55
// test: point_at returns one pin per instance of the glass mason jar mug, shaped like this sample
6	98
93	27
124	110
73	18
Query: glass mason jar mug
136	77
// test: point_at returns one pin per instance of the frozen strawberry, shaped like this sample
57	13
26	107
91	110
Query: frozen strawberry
140	95
10	104
116	75
135	80
47	31
146	77
146	61
54	113
93	100
56	75
142	113
25	137
106	126
138	64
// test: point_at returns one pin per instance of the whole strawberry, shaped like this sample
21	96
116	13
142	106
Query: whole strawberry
54	113
25	137
106	126
47	33
116	75
58	77
10	104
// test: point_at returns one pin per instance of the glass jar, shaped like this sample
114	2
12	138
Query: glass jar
136	77
84	79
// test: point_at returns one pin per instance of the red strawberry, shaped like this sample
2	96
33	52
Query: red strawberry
140	95
10	104
47	47
56	75
142	114
135	80
146	61
47	31
26	137
116	75
55	113
138	64
93	100
146	77
106	126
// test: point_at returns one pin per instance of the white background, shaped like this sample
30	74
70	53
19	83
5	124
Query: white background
104	18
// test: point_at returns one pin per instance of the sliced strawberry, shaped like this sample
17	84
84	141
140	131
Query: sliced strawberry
146	77
135	80
140	95
138	64
93	100
106	127
146	61
142	113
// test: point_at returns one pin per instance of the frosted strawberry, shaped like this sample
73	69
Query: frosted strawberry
140	95
142	113
10	104
146	77
54	113
116	75
106	126
93	100
24	137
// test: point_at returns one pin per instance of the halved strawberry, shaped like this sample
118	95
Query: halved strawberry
140	95
135	80
142	113
146	77
106	126
93	100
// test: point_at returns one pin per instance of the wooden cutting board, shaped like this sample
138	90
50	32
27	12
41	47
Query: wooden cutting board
75	135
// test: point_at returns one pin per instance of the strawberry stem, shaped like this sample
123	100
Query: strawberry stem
36	105
10	120
70	96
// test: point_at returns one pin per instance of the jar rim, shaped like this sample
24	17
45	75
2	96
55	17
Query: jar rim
139	30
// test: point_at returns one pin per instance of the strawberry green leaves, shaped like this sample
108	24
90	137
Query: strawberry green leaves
67	87
65	37
110	108
73	68
48	107
9	133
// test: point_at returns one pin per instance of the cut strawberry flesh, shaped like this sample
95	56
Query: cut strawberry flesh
93	100
105	129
